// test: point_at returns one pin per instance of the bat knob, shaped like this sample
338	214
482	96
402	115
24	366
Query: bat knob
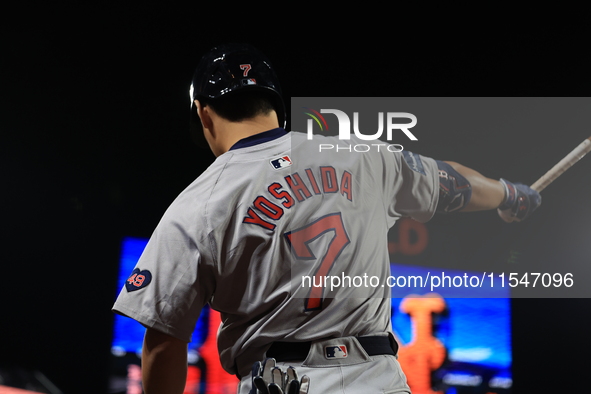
506	215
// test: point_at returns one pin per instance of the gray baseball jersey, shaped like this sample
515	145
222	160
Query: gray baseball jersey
257	232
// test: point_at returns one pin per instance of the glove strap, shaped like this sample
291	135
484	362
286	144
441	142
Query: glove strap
510	195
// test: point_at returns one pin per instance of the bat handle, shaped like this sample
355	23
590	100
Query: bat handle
569	160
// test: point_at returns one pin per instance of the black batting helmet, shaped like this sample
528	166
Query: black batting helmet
231	68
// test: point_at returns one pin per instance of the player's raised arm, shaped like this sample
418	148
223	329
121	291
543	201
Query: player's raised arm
466	190
164	363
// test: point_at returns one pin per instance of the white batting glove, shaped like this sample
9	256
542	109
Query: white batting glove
268	378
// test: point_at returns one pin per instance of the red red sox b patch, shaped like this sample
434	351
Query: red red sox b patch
138	280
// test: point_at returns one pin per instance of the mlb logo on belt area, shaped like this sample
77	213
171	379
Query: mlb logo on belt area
339	351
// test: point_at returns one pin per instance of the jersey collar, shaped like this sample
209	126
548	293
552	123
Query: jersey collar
259	138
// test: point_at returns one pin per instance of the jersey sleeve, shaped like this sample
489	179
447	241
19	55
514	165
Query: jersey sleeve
412	186
168	287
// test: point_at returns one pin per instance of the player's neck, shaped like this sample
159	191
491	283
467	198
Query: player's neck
228	133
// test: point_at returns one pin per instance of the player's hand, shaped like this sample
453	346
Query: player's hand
267	378
520	201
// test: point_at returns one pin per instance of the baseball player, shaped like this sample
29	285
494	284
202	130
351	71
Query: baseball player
269	211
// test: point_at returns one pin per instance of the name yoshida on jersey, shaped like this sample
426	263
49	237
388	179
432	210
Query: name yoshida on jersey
324	179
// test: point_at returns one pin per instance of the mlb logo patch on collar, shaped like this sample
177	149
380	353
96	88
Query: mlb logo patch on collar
281	162
332	352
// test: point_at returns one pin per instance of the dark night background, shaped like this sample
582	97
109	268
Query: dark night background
95	145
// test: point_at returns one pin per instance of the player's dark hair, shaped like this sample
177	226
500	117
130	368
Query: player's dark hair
241	105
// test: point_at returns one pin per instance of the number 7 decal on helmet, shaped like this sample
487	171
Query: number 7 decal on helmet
299	240
246	68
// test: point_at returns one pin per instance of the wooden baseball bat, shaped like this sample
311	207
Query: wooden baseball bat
563	165
567	161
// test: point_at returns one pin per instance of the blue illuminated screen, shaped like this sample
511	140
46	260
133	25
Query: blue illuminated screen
468	343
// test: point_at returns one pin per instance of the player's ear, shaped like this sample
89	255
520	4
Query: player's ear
204	114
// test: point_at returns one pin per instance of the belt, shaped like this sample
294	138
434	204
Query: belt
373	346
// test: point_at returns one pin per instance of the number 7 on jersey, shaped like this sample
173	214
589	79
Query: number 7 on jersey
299	240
